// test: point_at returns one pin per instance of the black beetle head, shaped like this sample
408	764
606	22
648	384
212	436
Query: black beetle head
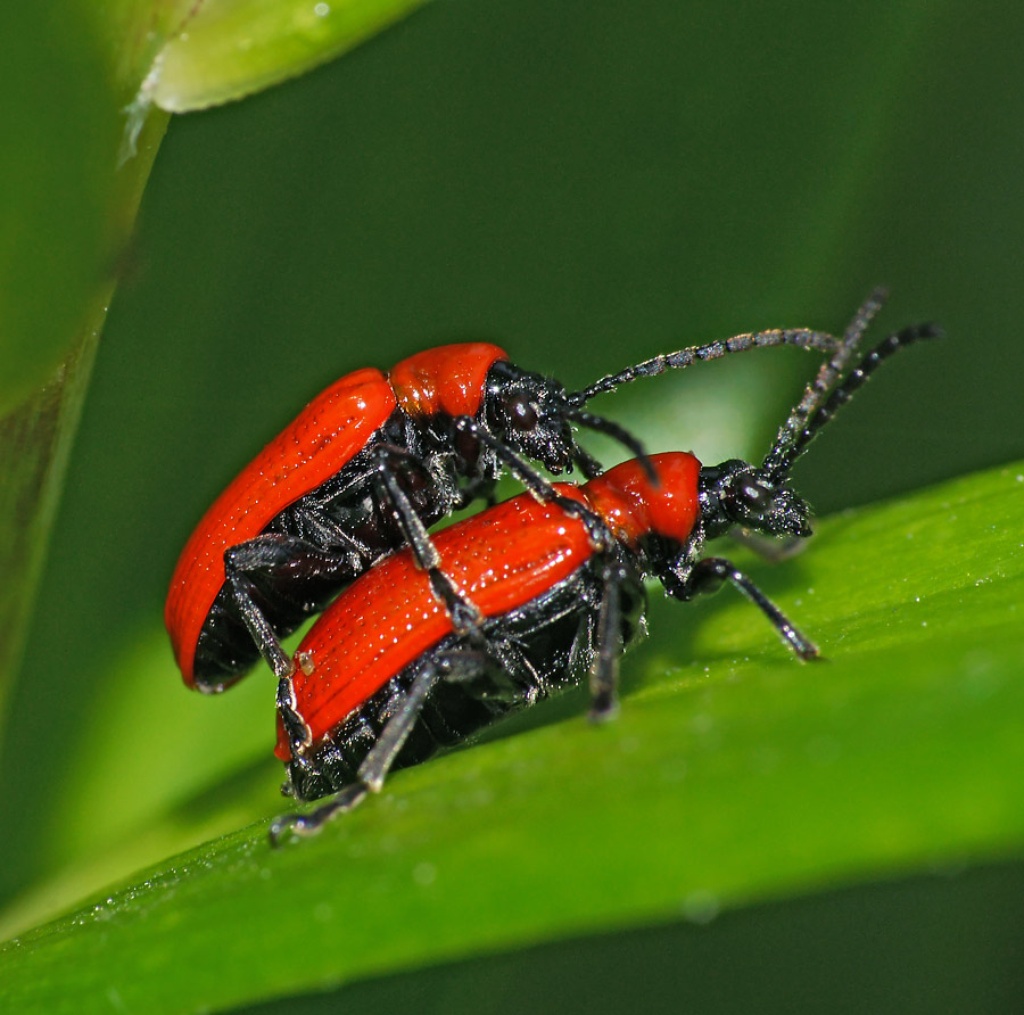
736	493
529	414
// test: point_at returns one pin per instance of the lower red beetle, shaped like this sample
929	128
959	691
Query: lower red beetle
367	467
383	681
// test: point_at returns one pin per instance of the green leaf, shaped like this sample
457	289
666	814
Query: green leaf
733	774
57	181
70	203
63	235
586	185
224	50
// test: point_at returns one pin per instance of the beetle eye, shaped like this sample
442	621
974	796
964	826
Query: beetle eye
521	411
746	497
756	496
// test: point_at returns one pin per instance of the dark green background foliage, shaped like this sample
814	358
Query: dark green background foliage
587	185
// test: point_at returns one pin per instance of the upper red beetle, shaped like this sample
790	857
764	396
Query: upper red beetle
384	679
366	467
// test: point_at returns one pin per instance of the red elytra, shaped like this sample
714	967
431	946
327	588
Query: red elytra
366	468
502	559
323	438
384	680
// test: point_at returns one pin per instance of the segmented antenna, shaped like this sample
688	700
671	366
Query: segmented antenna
829	374
798	431
605	426
802	338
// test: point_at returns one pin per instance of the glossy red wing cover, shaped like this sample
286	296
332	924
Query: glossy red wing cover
501	559
323	438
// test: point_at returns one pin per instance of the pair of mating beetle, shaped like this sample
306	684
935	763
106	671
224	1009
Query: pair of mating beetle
433	638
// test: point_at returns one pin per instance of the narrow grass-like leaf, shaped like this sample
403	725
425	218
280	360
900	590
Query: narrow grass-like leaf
56	177
222	51
733	774
65	225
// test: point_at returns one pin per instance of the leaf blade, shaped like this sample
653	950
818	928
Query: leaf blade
746	777
231	49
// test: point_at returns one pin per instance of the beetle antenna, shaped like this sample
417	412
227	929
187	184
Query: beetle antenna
586	462
605	426
830	373
799	430
802	338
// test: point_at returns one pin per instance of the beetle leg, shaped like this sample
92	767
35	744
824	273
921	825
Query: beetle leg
537	485
604	671
309	824
588	464
275	551
414	532
709	574
323	531
258	627
466	618
510	676
297	729
263	556
376	764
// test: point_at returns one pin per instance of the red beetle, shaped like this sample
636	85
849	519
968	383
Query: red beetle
383	680
366	467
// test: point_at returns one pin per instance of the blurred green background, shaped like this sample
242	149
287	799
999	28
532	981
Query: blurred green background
587	185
